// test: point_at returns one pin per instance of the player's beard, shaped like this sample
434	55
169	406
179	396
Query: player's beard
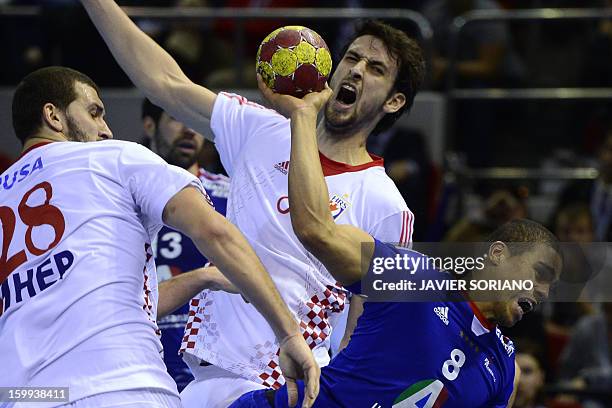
172	154
341	125
74	133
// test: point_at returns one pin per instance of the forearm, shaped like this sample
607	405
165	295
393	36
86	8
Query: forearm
233	255
175	292
308	193
355	311
337	247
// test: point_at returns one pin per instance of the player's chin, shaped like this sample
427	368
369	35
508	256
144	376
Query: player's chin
339	123
513	315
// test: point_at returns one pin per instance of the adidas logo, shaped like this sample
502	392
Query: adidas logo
283	167
442	313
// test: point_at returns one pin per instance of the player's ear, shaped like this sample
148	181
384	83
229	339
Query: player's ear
52	117
394	103
149	127
498	252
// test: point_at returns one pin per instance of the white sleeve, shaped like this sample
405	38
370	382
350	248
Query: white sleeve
151	181
234	121
396	228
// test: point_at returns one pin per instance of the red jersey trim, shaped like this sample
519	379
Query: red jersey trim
407	225
332	167
29	149
481	318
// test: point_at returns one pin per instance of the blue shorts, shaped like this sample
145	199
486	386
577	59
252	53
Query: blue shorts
260	399
252	399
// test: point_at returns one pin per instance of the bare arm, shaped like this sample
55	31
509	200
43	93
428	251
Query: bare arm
175	292
227	248
355	311
151	68
517	376
338	247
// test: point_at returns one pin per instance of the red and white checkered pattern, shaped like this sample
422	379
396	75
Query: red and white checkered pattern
192	328
315	325
315	328
272	376
148	304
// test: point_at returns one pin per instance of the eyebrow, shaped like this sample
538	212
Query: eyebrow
373	62
99	108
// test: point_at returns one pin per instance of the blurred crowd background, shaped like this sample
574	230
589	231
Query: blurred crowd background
515	121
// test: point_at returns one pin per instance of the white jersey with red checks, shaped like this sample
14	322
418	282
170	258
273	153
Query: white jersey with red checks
254	146
77	279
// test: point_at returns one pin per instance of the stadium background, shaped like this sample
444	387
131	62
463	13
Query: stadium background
515	120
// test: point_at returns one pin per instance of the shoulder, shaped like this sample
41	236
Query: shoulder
382	192
228	101
95	152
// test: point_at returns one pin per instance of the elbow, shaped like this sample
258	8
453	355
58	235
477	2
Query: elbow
163	88
210	232
314	237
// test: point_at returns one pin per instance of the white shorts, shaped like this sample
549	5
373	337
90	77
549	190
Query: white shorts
215	387
139	398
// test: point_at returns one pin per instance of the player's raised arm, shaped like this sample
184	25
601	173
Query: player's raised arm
338	247
150	67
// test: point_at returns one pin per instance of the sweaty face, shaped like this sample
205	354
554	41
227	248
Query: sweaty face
361	84
176	143
541	265
84	117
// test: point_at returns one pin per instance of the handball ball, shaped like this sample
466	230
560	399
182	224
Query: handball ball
294	60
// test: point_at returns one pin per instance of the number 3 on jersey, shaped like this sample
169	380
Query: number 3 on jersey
31	216
431	393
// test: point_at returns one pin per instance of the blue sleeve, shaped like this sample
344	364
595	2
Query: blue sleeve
397	274
381	250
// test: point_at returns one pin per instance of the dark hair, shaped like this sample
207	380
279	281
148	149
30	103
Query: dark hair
524	231
150	110
410	64
47	85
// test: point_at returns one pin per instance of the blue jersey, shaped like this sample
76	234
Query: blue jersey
414	354
176	253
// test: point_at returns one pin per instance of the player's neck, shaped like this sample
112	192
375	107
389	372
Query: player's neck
350	150
42	138
194	169
486	308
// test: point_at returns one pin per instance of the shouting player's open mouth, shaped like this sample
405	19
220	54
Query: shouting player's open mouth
525	305
346	97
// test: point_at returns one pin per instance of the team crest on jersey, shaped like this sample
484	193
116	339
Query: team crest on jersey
338	204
